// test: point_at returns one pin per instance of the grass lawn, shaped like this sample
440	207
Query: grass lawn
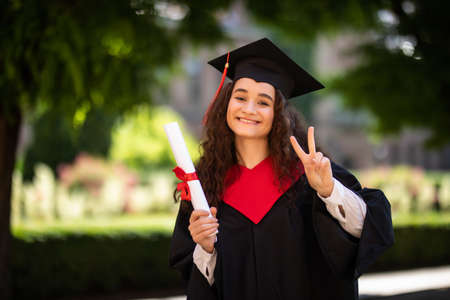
162	222
425	218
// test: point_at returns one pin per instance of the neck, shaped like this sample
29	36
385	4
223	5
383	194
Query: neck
251	152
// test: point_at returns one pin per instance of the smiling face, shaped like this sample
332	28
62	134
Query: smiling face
251	109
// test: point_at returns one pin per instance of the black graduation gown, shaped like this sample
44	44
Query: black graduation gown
294	252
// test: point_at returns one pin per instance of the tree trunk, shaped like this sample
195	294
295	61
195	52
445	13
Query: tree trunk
9	133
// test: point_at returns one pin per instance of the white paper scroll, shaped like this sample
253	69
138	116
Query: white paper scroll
184	161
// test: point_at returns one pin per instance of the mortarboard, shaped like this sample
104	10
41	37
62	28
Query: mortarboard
263	61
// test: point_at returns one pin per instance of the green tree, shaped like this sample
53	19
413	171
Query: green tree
72	57
56	141
404	74
403	77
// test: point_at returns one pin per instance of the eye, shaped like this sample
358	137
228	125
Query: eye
264	103
239	98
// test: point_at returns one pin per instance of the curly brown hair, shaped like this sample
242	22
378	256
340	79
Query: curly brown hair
218	152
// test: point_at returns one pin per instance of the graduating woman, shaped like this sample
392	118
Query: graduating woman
287	223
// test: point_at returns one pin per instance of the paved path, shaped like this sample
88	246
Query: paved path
401	282
428	283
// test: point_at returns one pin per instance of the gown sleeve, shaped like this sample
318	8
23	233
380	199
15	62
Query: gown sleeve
352	205
181	258
346	255
205	262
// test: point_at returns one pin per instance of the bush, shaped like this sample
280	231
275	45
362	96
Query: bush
409	189
48	266
54	264
416	247
90	187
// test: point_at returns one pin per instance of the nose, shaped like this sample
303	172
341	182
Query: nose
249	107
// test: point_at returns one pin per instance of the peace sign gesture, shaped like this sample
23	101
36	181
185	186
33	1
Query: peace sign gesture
317	167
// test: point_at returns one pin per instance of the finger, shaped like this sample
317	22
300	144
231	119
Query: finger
325	164
193	218
197	213
298	149
324	170
214	211
311	142
206	234
199	229
318	157
203	221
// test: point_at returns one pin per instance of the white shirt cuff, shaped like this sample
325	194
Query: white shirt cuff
205	262
353	206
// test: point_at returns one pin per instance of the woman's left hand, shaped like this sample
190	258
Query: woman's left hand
317	167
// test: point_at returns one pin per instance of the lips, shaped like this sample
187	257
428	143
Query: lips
248	121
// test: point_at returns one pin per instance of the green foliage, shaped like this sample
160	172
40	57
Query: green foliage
407	91
57	140
53	266
415	247
105	259
305	19
80	55
60	54
200	24
139	139
403	75
73	66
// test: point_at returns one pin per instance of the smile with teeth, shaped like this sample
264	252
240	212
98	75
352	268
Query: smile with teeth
247	121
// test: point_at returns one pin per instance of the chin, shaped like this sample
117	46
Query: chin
242	133
250	136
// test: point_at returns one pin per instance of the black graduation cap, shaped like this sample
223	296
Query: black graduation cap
264	62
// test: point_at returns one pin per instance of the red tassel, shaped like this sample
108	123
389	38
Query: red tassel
224	75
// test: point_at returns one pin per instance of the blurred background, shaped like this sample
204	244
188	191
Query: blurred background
85	86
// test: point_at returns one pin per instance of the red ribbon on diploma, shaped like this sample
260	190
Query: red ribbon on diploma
183	187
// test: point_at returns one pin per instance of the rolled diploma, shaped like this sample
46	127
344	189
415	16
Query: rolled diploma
184	161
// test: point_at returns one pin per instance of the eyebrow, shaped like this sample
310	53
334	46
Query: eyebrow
264	95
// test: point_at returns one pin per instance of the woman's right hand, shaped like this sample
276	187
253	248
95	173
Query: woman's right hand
203	229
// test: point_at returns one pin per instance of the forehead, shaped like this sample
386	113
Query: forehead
253	86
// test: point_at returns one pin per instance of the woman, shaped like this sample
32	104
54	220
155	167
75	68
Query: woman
286	224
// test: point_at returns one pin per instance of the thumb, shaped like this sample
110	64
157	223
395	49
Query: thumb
214	211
